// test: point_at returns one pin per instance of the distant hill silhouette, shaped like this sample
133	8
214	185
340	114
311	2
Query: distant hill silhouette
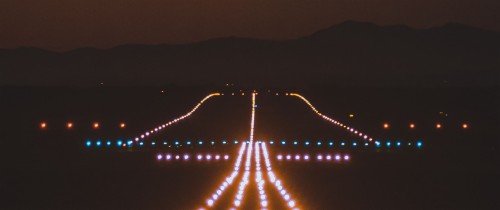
350	53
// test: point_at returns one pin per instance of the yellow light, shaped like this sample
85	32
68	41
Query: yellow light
465	126
43	125
69	125
438	126
96	125
412	125
386	125
122	125
351	115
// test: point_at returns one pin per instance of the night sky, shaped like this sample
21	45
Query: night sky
63	25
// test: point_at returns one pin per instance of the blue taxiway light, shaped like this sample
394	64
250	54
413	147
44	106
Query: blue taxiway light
319	143
419	144
307	143
88	143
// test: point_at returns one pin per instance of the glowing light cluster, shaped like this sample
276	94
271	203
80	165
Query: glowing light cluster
229	179
275	181
252	121
318	157
159	128
258	178
245	180
186	157
352	130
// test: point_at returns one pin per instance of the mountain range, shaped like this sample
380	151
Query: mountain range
350	53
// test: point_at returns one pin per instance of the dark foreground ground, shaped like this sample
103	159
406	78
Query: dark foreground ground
52	169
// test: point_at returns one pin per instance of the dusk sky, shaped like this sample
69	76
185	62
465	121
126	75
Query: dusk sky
64	25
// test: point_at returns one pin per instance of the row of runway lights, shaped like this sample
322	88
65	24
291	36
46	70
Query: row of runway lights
352	130
187	157
228	180
275	181
319	157
377	143
71	125
130	143
159	128
97	125
437	126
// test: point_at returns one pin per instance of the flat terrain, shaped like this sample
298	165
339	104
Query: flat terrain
53	169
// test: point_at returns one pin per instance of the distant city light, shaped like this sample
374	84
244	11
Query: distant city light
465	126
43	125
122	125
69	125
95	125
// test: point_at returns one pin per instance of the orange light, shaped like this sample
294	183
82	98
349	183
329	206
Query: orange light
122	125
412	125
96	125
43	125
465	126
69	125
386	126
438	126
